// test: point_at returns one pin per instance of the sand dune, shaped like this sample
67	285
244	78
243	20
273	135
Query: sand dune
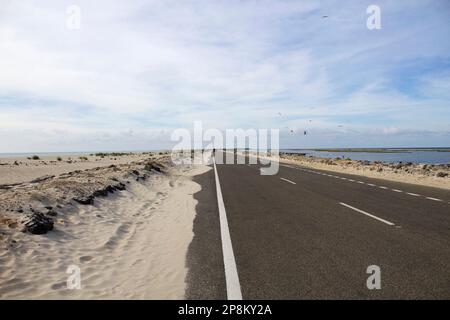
131	244
21	169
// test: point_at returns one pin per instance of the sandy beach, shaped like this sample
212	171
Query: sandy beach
115	220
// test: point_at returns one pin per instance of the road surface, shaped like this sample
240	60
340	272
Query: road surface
312	234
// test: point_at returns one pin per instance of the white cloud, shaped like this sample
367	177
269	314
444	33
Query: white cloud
163	64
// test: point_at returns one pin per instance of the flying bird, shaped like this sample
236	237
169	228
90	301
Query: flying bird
323	17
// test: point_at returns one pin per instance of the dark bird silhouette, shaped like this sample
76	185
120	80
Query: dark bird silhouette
324	17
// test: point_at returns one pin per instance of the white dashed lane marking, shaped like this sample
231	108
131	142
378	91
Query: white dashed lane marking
367	214
288	180
362	182
435	199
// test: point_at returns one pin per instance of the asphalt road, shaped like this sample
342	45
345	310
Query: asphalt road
311	234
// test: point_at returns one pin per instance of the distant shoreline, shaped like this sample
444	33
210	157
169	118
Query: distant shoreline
377	150
386	155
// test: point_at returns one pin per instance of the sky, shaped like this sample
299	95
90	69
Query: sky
126	74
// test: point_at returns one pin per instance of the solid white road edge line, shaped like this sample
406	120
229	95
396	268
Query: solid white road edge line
231	274
288	180
367	214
